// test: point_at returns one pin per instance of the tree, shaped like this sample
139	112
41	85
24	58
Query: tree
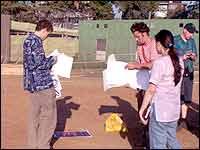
31	11
18	11
102	9
138	9
149	7
130	9
182	13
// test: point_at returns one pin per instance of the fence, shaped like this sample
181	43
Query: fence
5	38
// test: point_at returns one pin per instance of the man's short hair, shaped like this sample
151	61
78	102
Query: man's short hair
191	28
140	27
42	24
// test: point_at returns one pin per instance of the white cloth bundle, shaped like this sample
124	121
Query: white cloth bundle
116	75
63	65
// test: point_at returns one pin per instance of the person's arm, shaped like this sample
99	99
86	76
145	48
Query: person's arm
181	52
193	55
148	65
156	77
146	101
136	65
36	58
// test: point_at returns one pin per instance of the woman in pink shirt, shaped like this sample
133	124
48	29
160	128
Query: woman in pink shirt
163	94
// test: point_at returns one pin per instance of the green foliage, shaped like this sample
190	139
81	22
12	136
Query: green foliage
137	9
102	9
30	11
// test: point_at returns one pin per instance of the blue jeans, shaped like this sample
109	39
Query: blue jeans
162	135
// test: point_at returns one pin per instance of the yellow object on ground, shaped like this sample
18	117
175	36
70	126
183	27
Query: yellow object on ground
115	124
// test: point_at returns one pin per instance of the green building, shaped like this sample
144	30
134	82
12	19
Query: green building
114	36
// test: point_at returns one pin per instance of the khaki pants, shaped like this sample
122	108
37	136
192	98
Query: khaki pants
42	118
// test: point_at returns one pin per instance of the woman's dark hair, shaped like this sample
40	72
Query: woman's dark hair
166	39
140	27
42	24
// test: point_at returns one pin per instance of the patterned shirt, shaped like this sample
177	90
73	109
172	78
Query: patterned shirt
36	66
182	47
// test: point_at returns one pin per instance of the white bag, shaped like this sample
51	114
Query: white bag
116	75
63	65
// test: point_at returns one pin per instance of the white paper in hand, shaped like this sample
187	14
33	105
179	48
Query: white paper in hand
116	75
54	53
110	60
63	65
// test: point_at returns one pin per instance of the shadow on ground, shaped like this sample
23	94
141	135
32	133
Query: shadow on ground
64	112
193	119
136	131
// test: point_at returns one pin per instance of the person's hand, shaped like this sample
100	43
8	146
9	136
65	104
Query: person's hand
189	52
144	121
189	55
131	66
55	59
185	56
192	56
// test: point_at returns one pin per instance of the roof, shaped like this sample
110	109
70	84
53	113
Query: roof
30	27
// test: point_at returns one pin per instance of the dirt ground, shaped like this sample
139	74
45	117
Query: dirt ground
85	106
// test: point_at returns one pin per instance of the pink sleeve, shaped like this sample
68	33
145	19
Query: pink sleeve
156	72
